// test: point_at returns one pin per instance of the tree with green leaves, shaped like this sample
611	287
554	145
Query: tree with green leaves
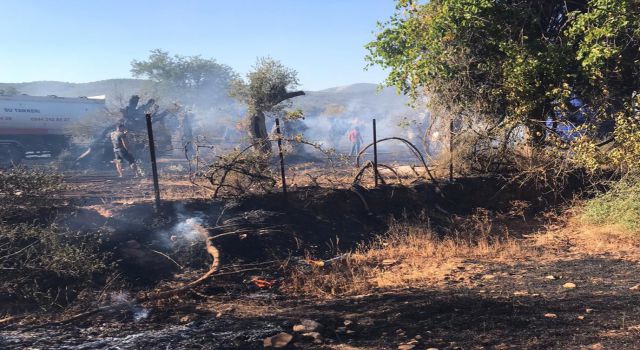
518	63
266	91
190	79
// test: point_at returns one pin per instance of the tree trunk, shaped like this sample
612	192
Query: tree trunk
258	132
258	125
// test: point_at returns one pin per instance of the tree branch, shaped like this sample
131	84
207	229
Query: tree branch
289	95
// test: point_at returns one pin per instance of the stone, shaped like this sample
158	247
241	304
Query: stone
550	315
569	285
277	341
186	319
406	346
307	326
550	277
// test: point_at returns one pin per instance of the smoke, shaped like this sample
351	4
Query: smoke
140	314
124	299
187	229
331	114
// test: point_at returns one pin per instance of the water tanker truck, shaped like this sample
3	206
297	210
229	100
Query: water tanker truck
39	125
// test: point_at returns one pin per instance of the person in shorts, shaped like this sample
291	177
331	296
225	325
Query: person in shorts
121	150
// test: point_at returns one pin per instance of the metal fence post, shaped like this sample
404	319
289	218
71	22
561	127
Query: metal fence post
284	180
375	155
154	168
451	149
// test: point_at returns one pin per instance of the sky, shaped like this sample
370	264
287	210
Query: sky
83	41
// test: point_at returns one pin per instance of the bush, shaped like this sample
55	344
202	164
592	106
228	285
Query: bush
240	173
43	265
40	263
25	192
619	206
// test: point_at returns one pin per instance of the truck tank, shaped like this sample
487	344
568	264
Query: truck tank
40	124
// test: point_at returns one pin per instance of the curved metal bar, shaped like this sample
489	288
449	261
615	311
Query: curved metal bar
412	148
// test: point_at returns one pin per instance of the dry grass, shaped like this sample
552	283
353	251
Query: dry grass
410	254
578	237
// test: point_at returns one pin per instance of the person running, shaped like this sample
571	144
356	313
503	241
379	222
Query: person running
121	150
356	140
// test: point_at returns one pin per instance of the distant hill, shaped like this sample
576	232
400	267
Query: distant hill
366	99
113	88
356	100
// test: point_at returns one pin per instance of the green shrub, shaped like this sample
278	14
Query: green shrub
46	266
618	206
25	193
42	264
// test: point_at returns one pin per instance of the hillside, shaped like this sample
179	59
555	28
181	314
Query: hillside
366	99
113	88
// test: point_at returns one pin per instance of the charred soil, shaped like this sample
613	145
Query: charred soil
504	299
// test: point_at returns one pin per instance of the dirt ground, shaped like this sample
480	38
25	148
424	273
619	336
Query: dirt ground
572	288
477	305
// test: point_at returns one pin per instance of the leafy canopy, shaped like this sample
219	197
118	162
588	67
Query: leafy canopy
266	85
517	62
192	78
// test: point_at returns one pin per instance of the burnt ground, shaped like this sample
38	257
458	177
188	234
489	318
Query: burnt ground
468	311
478	304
